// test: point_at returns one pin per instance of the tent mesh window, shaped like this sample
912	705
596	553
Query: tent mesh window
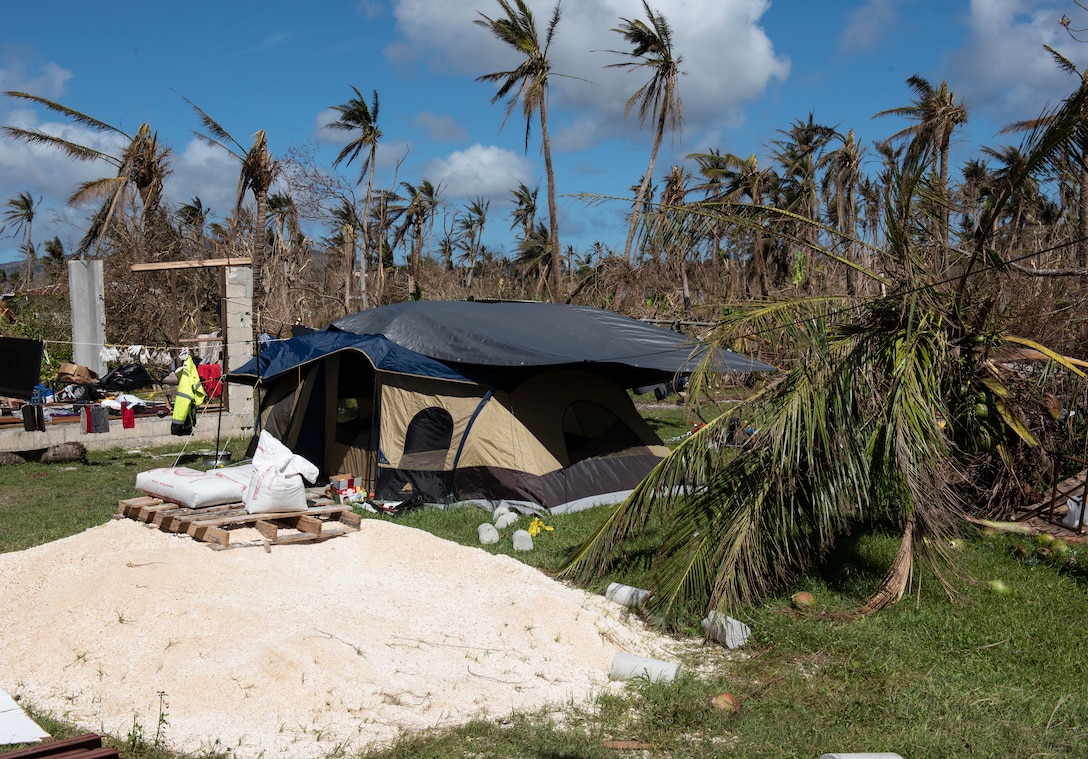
427	440
590	429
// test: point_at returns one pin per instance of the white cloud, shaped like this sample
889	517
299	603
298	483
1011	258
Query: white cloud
439	126
480	170
1004	72
866	26
727	57
207	172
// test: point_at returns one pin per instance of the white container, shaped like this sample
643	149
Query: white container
1072	514
726	630
625	595
505	519
488	533
631	667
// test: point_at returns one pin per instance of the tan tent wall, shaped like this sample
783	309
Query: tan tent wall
496	439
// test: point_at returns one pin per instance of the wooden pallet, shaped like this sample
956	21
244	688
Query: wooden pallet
87	746
213	525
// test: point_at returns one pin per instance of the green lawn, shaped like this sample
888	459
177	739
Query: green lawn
984	674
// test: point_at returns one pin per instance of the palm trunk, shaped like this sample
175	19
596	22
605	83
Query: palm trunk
553	212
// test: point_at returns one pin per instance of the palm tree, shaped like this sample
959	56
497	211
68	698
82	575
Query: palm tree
416	214
743	179
1072	159
259	171
54	263
841	185
193	217
348	224
143	165
528	85
524	213
936	115
20	214
470	228
874	422
800	154
361	120
659	97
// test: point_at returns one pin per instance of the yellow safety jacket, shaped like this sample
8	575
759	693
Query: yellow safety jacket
190	393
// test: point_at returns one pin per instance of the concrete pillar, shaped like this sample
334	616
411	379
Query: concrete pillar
238	334
88	301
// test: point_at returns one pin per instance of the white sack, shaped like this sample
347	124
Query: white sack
189	487
277	480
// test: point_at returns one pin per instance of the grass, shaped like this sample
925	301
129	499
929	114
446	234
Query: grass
986	674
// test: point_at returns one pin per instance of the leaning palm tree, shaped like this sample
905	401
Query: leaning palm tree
528	85
874	424
659	97
142	165
20	215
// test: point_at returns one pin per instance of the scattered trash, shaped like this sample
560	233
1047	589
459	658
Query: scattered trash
631	667
504	520
625	595
726	630
537	526
488	534
523	541
1072	517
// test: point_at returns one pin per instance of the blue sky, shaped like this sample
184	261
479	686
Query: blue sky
751	68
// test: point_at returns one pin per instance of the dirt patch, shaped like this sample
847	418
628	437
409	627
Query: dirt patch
296	652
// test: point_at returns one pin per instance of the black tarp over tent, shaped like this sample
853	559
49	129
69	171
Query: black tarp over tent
460	400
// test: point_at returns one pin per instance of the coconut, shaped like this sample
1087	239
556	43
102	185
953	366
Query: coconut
997	586
803	600
727	702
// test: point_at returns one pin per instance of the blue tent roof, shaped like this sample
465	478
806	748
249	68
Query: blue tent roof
283	356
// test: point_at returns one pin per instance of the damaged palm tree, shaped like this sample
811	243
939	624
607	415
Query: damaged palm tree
142	165
877	422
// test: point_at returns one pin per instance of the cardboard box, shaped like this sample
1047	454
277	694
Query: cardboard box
345	482
75	374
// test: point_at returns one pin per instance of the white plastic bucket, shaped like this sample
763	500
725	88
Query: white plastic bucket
630	667
625	595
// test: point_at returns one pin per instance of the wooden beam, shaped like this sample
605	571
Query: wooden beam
210	263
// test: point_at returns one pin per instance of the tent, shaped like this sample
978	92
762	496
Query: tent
476	401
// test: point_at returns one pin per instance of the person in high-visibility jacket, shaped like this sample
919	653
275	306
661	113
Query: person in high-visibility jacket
190	395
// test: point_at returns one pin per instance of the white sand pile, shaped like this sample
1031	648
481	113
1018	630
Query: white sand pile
295	652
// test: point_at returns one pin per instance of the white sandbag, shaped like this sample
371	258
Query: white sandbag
189	487
277	480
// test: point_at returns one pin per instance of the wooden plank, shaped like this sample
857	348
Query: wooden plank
147	512
87	742
130	506
268	530
178	520
208	263
247	518
351	519
216	535
307	537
